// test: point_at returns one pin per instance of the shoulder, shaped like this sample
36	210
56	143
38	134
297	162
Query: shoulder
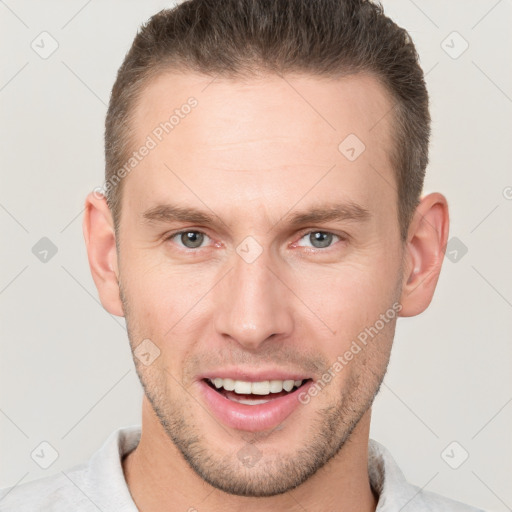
55	493
431	501
396	493
97	484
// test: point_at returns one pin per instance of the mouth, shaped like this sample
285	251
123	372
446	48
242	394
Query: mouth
252	405
254	393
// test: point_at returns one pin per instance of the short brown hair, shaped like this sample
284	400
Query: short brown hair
235	38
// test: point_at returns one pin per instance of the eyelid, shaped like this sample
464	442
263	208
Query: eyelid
305	231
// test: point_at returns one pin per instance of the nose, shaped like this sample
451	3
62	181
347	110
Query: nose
253	304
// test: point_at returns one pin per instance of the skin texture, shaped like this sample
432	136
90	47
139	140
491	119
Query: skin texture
251	154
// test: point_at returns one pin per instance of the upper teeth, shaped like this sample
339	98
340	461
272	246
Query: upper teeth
263	387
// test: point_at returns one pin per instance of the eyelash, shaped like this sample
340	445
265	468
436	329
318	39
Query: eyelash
342	238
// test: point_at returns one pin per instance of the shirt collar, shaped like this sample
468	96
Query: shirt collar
106	468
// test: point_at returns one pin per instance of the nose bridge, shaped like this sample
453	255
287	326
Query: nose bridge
252	304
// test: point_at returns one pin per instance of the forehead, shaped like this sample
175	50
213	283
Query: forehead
248	139
319	108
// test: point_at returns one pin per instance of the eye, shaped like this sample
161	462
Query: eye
319	239
189	239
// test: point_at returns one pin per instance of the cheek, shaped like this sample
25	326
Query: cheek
159	290
164	305
351	296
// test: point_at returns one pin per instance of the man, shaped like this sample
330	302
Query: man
261	231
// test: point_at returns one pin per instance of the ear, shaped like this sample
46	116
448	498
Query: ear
99	234
424	253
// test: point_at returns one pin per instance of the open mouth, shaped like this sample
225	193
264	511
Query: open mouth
254	393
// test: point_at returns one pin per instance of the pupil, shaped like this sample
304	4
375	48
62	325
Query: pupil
192	239
320	239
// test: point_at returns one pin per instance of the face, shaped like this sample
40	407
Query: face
253	249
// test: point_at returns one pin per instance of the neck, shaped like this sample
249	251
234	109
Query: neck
161	480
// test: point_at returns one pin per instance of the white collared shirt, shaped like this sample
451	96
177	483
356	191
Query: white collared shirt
99	484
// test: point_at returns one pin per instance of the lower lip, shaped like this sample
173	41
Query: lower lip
251	417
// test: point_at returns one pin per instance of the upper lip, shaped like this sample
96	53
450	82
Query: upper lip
253	375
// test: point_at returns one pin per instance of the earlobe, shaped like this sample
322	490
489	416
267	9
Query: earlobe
426	243
100	242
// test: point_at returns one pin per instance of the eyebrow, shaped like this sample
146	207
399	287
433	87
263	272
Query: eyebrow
170	213
331	212
348	211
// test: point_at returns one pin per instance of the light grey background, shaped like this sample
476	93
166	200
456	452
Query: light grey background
66	374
